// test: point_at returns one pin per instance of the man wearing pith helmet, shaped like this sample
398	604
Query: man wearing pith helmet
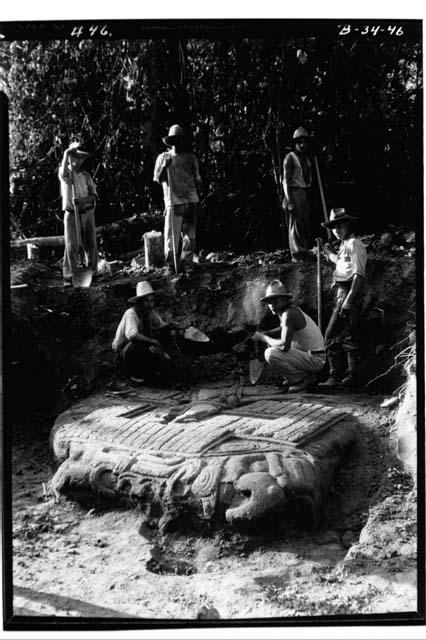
297	181
180	198
342	333
296	348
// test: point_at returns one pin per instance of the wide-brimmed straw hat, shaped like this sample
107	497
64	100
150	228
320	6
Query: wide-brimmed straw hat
300	133
142	289
337	216
82	155
274	290
175	131
80	152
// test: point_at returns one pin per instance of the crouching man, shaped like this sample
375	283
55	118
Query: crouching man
298	351
141	340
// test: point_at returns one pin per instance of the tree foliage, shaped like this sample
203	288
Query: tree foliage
240	99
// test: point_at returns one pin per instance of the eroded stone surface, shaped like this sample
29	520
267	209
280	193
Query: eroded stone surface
214	455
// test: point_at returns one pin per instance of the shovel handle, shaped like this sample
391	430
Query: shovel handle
319	282
172	213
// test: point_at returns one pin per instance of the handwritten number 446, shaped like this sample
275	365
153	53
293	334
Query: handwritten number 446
346	29
94	29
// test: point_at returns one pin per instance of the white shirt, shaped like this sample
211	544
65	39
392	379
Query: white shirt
351	260
83	185
131	324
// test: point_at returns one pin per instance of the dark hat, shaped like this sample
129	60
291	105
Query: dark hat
337	216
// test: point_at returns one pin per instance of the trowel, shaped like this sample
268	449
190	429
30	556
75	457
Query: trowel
256	364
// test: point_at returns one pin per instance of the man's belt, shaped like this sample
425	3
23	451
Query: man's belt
319	352
81	209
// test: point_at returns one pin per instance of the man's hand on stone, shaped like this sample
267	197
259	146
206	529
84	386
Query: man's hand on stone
258	337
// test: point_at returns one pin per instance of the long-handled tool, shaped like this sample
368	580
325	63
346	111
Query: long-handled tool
324	206
172	215
319	282
82	276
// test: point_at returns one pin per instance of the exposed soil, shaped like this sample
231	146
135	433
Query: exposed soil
74	560
87	560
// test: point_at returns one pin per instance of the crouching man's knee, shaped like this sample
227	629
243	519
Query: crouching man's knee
271	353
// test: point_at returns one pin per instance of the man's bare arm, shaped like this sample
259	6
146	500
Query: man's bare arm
287	331
288	172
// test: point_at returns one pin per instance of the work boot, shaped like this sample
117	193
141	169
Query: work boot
303	385
351	378
349	381
330	383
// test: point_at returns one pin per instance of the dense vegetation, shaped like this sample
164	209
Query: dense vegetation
240	99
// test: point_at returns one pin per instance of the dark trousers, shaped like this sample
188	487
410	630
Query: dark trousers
137	360
299	223
342	335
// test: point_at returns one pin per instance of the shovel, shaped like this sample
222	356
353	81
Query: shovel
172	213
194	334
82	276
324	206
319	282
256	364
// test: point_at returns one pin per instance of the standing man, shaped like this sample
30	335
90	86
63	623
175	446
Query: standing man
180	198
297	180
341	336
71	173
298	351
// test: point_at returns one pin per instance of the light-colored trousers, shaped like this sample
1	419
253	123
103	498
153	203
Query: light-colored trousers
184	224
295	365
88	240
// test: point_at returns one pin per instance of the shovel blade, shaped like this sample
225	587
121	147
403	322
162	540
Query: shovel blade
255	370
82	278
191	333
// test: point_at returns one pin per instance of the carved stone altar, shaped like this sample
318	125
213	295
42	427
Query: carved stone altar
238	454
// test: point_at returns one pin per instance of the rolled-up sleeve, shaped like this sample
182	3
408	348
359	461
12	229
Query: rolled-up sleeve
131	324
359	257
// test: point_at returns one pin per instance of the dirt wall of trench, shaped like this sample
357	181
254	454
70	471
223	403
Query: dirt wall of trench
61	338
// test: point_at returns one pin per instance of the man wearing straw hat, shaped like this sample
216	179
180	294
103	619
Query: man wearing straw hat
140	355
341	336
298	351
180	198
297	181
71	170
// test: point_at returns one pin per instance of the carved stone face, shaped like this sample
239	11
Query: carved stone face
214	457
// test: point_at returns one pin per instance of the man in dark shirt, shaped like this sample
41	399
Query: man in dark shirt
297	180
